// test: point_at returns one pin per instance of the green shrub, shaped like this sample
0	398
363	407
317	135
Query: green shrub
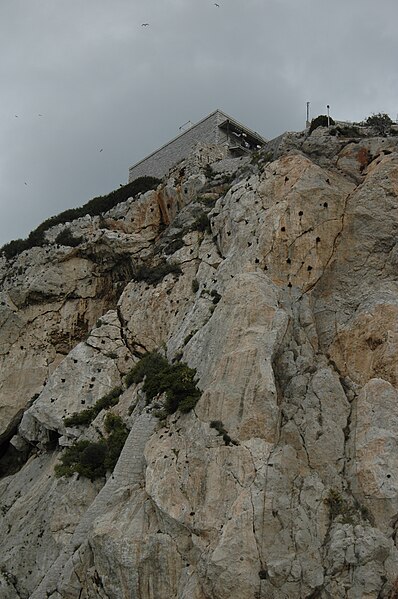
380	123
118	434
188	403
15	247
201	223
176	380
218	425
153	275
65	237
78	418
85	458
94	207
149	365
112	422
89	414
108	400
320	121
93	460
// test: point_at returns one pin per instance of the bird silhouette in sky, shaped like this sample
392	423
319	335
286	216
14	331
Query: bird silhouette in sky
40	115
144	24
102	149
25	183
215	4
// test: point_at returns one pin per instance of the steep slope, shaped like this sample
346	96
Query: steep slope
282	481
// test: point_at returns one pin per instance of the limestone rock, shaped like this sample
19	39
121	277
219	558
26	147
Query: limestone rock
275	278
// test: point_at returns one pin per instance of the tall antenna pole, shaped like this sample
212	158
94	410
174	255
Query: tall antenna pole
328	108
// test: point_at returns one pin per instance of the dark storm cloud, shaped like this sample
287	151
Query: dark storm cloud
102	81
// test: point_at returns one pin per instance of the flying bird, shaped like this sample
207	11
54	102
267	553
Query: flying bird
40	115
144	24
101	150
25	183
215	4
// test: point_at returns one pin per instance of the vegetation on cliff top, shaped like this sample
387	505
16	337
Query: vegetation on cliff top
380	123
94	207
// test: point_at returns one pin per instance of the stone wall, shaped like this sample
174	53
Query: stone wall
159	162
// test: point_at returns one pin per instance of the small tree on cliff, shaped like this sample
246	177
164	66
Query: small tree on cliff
380	123
320	121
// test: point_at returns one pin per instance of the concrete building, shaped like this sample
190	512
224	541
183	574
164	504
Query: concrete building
219	130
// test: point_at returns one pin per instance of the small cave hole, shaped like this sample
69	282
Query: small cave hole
228	233
288	261
309	267
257	261
301	213
53	437
289	285
283	228
318	239
325	204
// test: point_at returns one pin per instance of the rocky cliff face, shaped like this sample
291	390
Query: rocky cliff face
282	481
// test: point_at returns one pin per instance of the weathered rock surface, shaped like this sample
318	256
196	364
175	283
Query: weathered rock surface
282	482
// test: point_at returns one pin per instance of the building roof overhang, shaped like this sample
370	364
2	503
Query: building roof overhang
240	131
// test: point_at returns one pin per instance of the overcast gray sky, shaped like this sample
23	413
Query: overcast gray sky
101	80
